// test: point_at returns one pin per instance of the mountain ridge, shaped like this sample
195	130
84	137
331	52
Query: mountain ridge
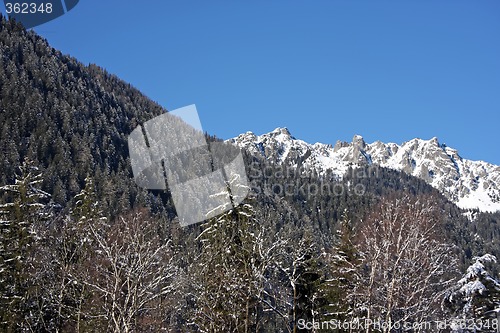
469	184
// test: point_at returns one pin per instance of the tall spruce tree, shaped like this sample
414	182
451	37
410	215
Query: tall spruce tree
227	270
25	205
343	263
477	294
72	244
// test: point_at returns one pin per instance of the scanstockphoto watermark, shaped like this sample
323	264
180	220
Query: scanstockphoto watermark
208	179
290	181
456	325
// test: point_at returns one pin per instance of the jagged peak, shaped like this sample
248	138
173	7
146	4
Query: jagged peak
467	183
248	136
340	144
358	140
281	130
434	141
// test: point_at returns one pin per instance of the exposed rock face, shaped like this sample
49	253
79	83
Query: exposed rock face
470	184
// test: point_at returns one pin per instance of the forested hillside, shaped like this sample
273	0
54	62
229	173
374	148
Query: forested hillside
84	249
71	120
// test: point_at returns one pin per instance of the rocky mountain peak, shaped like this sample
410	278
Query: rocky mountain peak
470	184
434	141
358	141
281	131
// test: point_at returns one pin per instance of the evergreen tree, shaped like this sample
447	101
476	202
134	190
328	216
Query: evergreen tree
72	244
25	207
307	277
227	293
477	294
302	267
343	264
231	273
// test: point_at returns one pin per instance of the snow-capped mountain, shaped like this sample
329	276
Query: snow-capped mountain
470	184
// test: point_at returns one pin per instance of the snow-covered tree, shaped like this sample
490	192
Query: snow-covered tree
131	274
86	205
226	295
72	244
301	266
231	276
407	265
343	267
25	205
477	294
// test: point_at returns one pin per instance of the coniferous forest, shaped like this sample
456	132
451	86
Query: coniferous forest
84	249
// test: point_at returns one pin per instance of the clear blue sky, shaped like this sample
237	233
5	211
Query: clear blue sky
387	70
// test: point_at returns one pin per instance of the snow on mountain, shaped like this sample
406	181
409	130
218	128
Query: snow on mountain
470	184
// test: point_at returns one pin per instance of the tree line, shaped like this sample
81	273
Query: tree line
77	270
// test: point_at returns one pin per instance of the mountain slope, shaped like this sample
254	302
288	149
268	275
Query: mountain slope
469	184
71	120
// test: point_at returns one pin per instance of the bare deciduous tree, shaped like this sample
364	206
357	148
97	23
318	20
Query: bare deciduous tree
131	272
408	266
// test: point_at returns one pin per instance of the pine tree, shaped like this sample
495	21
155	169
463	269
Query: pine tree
232	269
25	207
227	294
343	264
86	204
477	294
305	279
301	264
72	244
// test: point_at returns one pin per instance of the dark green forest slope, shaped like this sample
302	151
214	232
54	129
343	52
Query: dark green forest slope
71	120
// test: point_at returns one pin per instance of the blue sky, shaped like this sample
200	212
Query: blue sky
387	70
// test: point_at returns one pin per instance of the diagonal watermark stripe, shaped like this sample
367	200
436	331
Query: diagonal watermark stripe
205	180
